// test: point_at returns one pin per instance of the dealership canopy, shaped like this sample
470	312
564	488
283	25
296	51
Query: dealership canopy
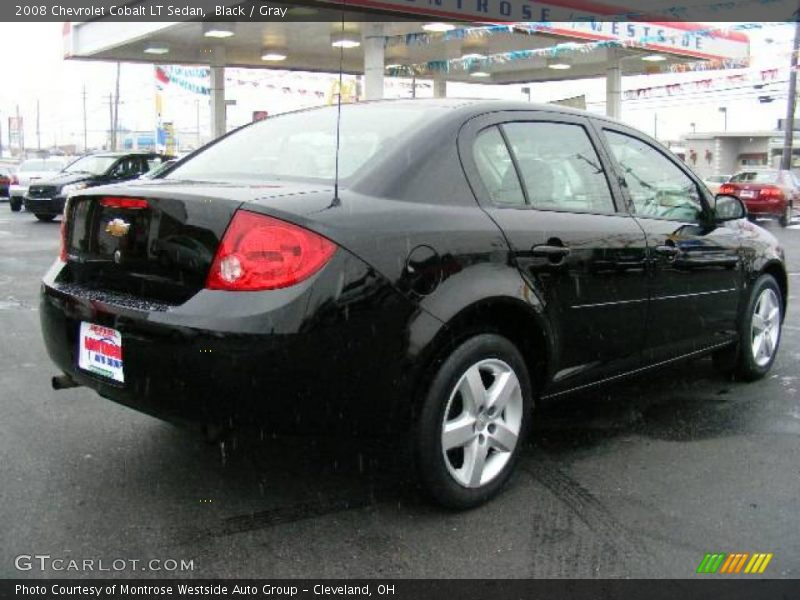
491	42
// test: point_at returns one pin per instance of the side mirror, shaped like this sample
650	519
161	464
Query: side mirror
728	208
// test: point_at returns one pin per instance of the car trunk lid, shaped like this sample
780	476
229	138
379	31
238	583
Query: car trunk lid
156	240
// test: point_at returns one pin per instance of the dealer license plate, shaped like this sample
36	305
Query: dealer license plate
747	194
100	351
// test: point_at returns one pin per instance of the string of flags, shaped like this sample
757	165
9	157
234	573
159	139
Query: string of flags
755	78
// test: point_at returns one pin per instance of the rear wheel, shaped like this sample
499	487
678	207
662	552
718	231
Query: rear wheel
473	421
45	217
15	204
786	217
759	333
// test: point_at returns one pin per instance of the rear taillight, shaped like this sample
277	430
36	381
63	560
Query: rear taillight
726	188
14	180
123	202
771	192
262	253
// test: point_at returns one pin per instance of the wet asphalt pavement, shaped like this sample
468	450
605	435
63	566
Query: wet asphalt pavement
636	480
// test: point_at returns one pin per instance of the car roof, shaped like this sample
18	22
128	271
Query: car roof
466	108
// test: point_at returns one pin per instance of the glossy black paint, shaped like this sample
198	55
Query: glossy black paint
424	260
47	197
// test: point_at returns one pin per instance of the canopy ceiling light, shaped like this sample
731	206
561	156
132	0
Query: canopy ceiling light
155	48
274	54
559	64
218	30
345	39
438	27
480	73
654	58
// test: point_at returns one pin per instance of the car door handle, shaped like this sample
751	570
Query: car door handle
552	252
669	251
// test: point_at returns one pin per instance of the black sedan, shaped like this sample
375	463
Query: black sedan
45	199
458	262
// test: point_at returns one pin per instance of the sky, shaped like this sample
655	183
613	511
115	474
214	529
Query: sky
34	71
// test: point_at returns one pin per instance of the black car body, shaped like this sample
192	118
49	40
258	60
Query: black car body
46	199
430	240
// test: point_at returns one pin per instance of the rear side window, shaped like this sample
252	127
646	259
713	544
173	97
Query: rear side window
560	168
756	177
497	169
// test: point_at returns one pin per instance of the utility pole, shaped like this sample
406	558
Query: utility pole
111	142
788	124
38	131
116	109
85	143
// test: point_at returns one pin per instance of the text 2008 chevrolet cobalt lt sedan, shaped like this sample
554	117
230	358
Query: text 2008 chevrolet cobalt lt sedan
474	257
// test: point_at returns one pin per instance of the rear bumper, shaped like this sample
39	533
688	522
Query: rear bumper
766	208
303	362
44	206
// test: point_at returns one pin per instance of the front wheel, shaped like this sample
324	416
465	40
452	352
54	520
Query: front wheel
473	420
15	204
786	217
759	333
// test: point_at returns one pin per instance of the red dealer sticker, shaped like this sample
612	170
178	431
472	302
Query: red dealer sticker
100	351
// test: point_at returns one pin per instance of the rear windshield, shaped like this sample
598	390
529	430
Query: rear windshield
756	177
302	145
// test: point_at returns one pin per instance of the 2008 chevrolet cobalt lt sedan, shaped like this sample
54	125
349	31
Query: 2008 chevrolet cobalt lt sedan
470	259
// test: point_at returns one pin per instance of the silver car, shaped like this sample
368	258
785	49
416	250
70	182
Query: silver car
28	171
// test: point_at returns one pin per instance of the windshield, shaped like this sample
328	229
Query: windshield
755	177
41	165
302	145
94	165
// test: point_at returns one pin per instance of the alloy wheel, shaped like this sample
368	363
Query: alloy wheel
482	423
765	327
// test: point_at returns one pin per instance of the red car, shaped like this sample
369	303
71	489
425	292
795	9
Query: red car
5	181
765	192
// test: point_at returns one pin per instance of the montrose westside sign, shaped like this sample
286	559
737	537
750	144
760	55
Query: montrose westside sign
578	19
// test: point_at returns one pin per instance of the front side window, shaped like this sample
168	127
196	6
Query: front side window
657	187
496	168
91	165
560	168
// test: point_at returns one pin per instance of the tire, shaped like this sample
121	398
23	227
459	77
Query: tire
759	333
786	218
15	204
44	218
452	477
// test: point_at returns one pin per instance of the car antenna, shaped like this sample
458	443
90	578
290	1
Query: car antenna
336	200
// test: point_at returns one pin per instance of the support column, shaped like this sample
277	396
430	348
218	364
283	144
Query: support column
439	87
374	69
218	108
614	87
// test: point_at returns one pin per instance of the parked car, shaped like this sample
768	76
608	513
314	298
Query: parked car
765	192
46	197
713	182
5	181
31	170
471	259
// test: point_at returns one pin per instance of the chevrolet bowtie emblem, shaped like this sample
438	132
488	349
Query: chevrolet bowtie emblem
117	227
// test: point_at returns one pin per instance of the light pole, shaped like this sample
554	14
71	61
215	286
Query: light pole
724	111
788	127
694	127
